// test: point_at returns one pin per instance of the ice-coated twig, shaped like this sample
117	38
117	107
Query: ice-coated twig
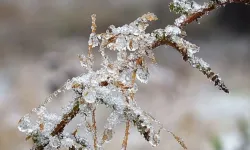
67	117
191	11
179	140
188	55
125	139
114	84
94	128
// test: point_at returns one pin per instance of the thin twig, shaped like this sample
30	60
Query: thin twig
93	30
212	6
179	140
125	140
94	128
66	119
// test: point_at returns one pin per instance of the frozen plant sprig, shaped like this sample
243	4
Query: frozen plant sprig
114	84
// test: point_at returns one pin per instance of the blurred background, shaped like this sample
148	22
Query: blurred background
40	40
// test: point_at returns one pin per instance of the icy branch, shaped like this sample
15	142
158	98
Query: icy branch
114	84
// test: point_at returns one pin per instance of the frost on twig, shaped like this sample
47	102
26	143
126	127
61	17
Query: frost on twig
114	84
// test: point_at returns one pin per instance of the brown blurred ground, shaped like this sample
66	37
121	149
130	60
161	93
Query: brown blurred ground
40	40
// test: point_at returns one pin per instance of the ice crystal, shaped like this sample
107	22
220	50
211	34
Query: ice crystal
25	125
180	20
113	120
121	43
172	30
89	96
142	74
185	6
67	142
54	142
133	45
93	40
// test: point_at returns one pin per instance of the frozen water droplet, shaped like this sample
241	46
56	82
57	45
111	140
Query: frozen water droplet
126	77
180	20
122	55
68	85
93	40
133	29
83	60
132	45
111	69
54	142
40	110
89	96
134	89
67	142
172	30
142	27
125	29
107	135
121	43
142	74
25	125
155	140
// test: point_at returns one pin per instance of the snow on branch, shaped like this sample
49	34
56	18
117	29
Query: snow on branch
114	84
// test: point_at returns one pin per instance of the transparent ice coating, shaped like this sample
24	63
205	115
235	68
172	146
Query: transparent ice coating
114	83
